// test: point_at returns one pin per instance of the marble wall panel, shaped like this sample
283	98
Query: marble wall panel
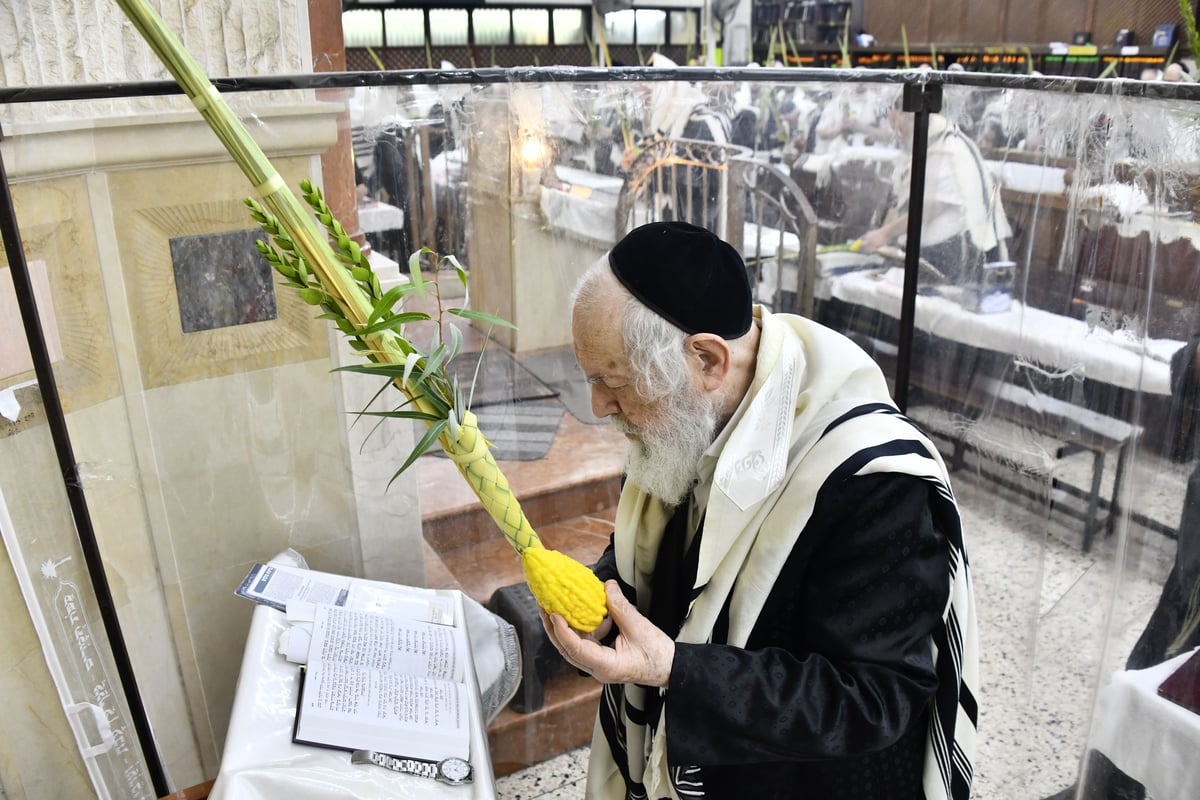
54	218
187	201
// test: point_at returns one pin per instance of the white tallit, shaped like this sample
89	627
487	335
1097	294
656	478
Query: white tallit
955	159
807	377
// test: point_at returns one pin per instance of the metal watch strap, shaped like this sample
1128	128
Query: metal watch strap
409	766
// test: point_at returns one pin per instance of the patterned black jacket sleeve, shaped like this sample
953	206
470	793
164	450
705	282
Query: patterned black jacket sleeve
839	664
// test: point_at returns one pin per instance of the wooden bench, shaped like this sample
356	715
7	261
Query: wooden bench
1029	432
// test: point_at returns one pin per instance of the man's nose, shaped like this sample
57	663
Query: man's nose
604	402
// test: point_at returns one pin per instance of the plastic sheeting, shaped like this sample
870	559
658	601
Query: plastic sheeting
204	451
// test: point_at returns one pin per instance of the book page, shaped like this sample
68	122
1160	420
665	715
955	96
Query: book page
386	643
404	715
410	602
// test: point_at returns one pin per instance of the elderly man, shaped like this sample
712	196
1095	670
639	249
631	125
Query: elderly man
790	605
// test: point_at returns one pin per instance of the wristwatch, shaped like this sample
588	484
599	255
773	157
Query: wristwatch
452	771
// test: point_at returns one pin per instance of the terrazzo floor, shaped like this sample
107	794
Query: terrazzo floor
1053	621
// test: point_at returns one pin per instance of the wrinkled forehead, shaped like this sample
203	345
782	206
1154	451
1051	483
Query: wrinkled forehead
598	341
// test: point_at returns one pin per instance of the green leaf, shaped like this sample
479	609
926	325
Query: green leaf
481	316
456	342
384	304
414	271
386	369
439	401
475	376
394	323
383	387
397	414
434	362
393	295
427	441
410	362
314	297
458	268
360	273
456	393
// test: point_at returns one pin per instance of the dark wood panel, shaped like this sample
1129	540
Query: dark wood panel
1014	21
1024	21
1139	16
982	22
884	18
949	24
1063	18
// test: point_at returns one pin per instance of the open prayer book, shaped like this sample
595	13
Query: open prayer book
380	682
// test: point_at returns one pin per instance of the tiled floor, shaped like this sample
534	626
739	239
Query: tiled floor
1053	620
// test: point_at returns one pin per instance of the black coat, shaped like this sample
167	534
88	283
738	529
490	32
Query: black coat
830	697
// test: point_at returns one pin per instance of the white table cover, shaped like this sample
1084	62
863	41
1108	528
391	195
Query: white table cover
1048	339
260	762
1153	740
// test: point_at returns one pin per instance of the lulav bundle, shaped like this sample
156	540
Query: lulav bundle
349	294
560	583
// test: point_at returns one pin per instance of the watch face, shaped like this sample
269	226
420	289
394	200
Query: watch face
455	769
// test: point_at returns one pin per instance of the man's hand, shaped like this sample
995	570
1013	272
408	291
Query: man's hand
873	240
641	654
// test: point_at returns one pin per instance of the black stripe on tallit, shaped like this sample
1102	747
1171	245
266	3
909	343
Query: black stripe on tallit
952	692
614	732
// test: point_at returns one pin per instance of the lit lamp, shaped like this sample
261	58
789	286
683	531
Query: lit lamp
533	154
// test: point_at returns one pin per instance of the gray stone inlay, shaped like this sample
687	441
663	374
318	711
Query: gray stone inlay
222	280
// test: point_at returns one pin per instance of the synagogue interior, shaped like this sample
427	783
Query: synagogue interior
183	414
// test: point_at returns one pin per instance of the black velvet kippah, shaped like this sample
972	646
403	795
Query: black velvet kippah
687	275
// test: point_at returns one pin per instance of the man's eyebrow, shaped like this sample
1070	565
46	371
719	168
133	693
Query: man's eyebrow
601	378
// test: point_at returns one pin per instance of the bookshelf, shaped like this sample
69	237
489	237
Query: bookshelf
1081	61
824	22
808	22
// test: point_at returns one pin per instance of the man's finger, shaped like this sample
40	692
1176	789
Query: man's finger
571	646
619	607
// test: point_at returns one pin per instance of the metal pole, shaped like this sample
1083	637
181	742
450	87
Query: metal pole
921	99
57	423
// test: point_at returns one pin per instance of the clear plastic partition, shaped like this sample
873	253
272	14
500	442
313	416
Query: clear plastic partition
1047	347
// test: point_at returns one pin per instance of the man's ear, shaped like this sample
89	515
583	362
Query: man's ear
711	357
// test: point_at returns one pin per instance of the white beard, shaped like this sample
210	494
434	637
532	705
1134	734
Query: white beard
665	459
